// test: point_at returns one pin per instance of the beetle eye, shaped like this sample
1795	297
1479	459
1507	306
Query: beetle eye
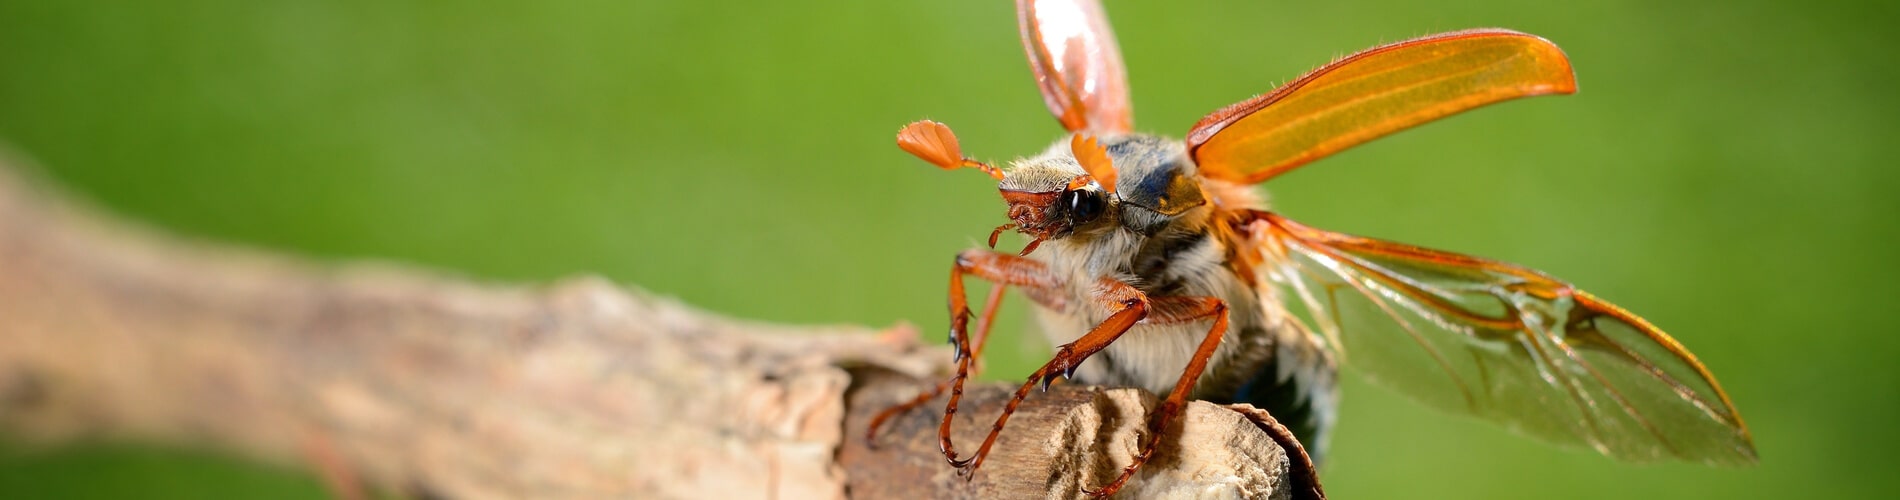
1084	205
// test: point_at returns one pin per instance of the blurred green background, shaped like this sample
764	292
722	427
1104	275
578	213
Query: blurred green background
1726	171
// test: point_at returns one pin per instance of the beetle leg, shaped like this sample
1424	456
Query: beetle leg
1003	270
1172	310
966	366
1131	307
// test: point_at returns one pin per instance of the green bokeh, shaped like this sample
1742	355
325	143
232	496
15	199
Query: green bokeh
1726	171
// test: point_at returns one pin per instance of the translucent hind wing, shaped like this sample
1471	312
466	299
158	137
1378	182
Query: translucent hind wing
1507	344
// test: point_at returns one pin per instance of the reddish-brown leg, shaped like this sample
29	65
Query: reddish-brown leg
966	366
1170	310
1003	270
1131	307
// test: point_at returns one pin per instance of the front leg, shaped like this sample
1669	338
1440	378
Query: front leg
964	370
1003	270
1130	306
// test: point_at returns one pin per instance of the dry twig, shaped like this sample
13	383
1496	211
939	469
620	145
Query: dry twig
433	385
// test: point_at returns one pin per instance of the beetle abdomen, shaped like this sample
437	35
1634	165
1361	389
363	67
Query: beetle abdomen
1303	398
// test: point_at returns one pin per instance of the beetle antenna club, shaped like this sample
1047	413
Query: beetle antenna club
934	143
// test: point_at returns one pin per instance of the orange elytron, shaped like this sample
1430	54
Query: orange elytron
1153	264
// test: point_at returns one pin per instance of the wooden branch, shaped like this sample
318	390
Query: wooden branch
441	387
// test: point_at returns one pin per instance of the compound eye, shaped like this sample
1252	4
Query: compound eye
1084	205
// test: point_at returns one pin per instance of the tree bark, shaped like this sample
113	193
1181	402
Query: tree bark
389	377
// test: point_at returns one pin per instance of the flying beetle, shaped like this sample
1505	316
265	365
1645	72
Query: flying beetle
1153	263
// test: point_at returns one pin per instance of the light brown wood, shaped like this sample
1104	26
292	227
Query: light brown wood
422	384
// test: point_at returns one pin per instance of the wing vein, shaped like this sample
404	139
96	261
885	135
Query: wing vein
1417	337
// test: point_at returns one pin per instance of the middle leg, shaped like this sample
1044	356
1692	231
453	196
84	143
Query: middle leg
1174	310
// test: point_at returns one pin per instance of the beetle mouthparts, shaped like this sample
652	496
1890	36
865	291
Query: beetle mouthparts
1031	213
